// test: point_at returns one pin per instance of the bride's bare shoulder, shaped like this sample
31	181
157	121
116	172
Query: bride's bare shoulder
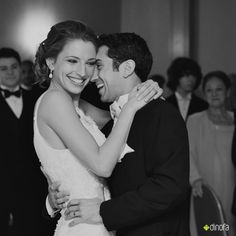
55	97
54	101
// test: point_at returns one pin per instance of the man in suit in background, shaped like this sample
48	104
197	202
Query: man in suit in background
184	77
20	176
150	186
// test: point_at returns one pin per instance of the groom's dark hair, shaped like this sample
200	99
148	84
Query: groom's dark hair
125	46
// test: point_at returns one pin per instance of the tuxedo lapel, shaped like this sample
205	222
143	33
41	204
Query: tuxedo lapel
28	102
25	103
132	161
173	100
192	105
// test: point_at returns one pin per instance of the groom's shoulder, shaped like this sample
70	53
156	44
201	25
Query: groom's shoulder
161	110
160	106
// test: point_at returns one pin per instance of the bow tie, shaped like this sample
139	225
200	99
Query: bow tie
8	93
115	110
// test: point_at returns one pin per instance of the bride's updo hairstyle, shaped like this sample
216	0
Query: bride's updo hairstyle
57	38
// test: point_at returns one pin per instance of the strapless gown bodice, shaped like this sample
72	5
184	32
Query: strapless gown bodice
62	166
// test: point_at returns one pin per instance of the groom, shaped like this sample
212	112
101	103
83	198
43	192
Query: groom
149	187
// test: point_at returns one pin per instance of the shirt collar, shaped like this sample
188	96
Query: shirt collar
116	106
122	100
180	97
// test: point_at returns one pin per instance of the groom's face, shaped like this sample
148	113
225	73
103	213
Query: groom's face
108	81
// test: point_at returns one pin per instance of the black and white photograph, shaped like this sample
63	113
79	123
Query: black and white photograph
117	117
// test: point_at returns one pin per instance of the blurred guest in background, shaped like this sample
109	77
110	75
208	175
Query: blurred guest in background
28	81
210	138
27	75
23	186
184	77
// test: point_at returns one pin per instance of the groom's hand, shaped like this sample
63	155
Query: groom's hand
84	211
57	199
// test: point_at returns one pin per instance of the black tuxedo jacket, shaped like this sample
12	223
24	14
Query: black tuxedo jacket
150	187
24	187
16	139
196	104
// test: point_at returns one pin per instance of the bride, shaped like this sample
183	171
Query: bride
69	145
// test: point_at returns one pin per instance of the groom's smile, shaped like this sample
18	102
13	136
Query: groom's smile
108	80
99	84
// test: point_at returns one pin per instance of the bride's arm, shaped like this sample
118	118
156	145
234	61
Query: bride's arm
59	114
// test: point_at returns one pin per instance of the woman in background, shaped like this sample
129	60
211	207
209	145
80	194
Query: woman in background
210	138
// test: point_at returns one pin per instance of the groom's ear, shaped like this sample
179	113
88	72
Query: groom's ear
50	63
127	67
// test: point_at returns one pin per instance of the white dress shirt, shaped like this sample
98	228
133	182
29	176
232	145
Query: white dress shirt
183	103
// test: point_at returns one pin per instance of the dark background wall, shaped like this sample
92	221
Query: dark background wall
24	23
203	29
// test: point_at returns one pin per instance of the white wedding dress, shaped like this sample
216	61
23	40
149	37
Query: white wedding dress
63	166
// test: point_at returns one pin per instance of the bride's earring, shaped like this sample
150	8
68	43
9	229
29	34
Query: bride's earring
50	74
